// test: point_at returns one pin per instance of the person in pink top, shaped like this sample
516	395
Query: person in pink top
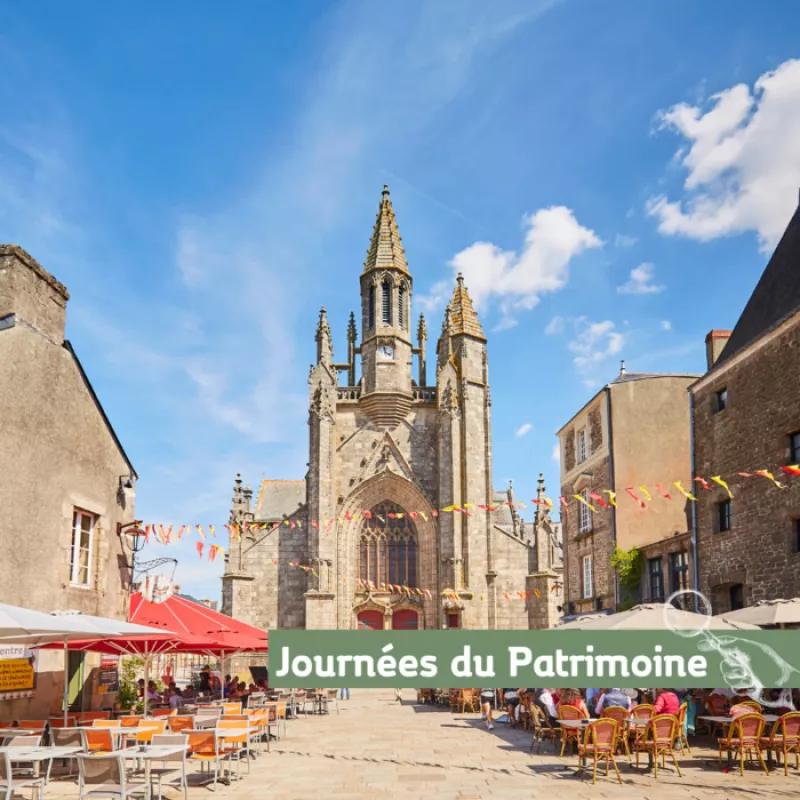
666	703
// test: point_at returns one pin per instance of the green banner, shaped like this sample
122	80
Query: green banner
454	659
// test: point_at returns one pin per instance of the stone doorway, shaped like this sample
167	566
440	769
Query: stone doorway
370	621
405	620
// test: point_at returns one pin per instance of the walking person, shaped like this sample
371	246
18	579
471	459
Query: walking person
341	693
398	695
487	704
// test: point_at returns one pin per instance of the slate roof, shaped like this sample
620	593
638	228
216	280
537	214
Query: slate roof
279	499
776	296
386	246
461	313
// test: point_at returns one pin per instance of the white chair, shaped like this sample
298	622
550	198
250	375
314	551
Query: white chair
9	784
66	737
105	776
33	740
178	760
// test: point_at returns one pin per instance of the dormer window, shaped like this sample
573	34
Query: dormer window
386	303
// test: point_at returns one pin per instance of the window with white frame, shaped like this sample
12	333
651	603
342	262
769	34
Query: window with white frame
83	525
584	514
581	448
588	589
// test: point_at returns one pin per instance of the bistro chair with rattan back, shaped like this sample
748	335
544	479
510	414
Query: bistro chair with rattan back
744	740
784	738
570	733
600	744
619	714
542	729
642	711
659	741
683	740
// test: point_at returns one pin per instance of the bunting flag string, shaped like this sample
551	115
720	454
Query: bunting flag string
167	534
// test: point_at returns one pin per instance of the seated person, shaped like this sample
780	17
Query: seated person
592	696
572	697
152	693
612	697
175	697
189	694
543	700
666	703
140	687
511	701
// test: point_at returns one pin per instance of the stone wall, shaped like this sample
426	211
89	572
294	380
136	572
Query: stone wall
759	552
598	543
511	564
56	455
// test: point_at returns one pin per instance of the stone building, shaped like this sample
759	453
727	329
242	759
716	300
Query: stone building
635	431
387	450
65	480
746	414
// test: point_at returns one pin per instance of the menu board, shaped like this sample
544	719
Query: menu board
108	677
17	669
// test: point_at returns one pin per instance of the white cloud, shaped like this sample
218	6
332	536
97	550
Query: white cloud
595	342
666	325
641	281
555	326
557	452
623	240
552	239
523	430
743	161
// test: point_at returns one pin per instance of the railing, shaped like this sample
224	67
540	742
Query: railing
427	394
348	392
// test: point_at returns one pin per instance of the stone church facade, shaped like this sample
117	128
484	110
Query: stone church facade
387	451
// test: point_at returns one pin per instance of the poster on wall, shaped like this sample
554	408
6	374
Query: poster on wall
17	671
108	677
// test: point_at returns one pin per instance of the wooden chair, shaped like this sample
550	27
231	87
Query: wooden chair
468	700
639	732
659	740
744	739
568	732
784	738
619	715
683	740
454	699
600	744
524	711
542	729
717	706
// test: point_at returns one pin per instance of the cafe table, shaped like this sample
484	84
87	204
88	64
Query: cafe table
146	754
36	755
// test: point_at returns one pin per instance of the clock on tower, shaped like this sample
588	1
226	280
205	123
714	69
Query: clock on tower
386	352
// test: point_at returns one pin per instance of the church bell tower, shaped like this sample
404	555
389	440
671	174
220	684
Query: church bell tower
386	348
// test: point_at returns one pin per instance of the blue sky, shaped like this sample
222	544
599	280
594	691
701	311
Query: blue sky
610	177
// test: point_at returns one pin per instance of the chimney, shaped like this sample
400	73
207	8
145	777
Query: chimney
31	294
715	344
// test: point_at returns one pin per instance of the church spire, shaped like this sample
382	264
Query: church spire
386	246
463	318
323	338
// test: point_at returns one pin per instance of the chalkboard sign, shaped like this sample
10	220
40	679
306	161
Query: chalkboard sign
108	678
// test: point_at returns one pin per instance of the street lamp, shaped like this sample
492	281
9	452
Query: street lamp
132	535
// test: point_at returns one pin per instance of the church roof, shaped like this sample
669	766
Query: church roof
279	499
462	315
386	246
776	296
